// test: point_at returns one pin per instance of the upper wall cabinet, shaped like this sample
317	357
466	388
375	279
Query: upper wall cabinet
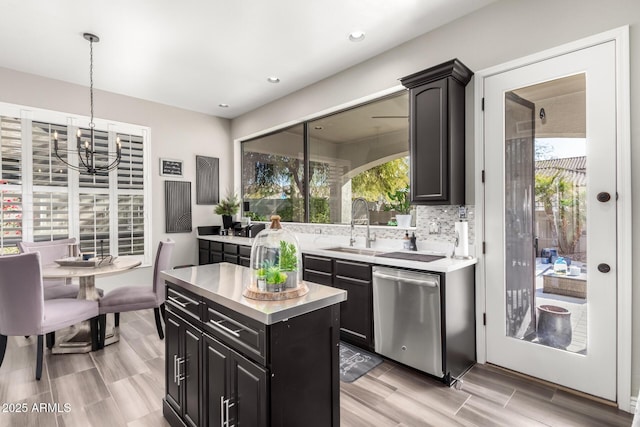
436	133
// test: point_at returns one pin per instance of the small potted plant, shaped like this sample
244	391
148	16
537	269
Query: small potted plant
274	277
288	260
228	207
399	202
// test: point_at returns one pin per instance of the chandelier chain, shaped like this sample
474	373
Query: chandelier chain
91	124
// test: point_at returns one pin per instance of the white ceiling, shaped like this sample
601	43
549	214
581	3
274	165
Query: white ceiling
196	54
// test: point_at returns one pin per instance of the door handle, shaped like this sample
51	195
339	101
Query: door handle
603	197
604	268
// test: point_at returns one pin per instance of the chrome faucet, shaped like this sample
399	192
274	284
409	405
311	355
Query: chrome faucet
368	238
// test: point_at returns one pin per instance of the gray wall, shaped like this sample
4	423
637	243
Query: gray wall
503	31
175	133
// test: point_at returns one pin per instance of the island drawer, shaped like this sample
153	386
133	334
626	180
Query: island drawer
184	301
245	335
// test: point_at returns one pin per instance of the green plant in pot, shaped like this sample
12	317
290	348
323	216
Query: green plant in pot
273	275
400	203
228	207
288	260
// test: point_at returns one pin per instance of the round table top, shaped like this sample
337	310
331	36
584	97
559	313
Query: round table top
55	271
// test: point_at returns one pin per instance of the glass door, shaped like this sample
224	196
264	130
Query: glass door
550	164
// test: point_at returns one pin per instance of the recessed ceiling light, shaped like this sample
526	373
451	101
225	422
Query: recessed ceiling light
273	79
223	105
356	36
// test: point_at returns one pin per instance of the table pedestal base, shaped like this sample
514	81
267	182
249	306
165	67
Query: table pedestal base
79	338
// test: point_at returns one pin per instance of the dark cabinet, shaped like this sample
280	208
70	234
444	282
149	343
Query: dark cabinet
356	320
235	387
212	252
317	269
437	133
224	368
183	349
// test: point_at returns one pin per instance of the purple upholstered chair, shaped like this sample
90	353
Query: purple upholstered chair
49	252
23	310
131	298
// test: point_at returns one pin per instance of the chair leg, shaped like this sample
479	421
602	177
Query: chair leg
102	330
95	337
51	340
3	347
39	350
163	310
156	312
116	317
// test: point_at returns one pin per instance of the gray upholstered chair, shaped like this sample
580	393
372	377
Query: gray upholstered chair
49	252
133	297
23	310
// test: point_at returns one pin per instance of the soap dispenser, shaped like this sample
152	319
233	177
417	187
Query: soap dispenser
406	243
412	242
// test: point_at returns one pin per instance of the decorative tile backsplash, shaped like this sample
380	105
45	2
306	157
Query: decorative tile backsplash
437	219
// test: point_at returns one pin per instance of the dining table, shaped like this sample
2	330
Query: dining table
79	338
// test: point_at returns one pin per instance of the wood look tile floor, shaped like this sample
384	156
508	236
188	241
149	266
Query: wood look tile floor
123	385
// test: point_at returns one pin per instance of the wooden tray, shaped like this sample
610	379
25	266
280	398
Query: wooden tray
79	262
256	294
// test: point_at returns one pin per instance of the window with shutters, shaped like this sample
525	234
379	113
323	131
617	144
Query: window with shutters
10	184
42	199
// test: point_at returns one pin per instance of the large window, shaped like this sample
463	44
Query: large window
43	199
360	152
273	175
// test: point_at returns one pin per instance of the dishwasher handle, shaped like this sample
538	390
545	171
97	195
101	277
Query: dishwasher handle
431	283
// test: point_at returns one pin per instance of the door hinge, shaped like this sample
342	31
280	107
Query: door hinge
483	104
484	247
483	176
484	318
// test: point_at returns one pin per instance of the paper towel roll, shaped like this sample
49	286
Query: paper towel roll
462	233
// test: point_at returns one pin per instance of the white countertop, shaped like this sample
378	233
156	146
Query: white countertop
444	265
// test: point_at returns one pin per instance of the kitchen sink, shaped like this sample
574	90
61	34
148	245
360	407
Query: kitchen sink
356	251
411	256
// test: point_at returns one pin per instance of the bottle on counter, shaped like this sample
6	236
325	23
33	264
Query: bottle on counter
560	266
406	243
412	242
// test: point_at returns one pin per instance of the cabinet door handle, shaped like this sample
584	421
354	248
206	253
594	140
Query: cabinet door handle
176	369
226	403
222	421
180	375
180	303
219	324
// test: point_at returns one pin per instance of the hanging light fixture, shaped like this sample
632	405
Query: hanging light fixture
89	160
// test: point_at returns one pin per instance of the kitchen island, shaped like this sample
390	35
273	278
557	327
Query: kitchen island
236	361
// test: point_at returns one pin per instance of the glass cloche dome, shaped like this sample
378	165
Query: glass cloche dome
276	265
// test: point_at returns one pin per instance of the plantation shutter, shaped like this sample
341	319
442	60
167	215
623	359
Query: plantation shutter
10	150
94	223
47	168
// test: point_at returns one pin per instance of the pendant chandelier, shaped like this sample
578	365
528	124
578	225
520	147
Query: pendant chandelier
89	161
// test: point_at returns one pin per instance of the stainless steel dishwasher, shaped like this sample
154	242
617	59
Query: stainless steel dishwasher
406	318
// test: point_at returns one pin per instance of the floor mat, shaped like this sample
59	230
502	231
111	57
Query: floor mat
355	362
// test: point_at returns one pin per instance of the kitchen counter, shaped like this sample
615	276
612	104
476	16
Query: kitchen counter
223	283
443	265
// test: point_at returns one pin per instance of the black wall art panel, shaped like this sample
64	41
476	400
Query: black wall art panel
177	200
207	171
